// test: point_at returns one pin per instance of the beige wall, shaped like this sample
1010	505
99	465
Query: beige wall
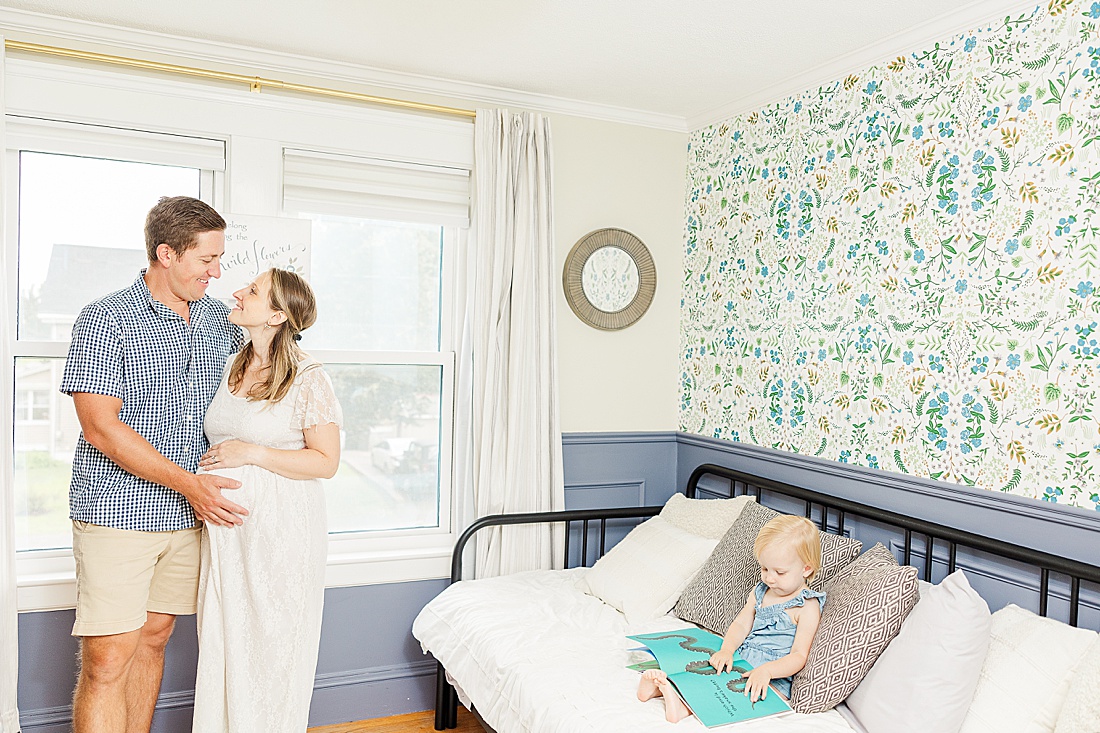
608	174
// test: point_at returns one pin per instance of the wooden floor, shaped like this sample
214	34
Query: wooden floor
411	723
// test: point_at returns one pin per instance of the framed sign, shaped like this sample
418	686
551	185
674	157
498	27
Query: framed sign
257	243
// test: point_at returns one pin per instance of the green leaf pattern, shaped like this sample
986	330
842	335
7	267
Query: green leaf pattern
901	264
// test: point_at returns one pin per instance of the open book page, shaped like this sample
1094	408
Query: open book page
716	699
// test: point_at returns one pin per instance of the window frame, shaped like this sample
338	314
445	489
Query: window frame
254	135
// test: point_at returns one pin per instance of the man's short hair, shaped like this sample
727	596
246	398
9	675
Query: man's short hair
175	221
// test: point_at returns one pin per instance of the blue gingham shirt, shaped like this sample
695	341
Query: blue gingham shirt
130	346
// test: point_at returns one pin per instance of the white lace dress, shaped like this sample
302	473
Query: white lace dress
261	584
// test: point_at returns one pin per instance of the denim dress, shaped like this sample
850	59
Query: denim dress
772	634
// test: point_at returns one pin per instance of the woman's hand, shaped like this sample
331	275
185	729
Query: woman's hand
722	659
756	686
229	454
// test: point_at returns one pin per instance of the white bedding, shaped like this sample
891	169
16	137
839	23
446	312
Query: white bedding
535	655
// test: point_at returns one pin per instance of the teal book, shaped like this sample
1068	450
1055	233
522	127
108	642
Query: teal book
716	699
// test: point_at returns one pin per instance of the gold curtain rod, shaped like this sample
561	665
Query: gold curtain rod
255	83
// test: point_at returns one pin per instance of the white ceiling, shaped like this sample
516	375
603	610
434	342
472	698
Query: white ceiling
687	62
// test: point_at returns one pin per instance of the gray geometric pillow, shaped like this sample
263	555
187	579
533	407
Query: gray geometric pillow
719	590
865	605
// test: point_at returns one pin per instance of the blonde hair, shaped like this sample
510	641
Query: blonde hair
799	532
291	294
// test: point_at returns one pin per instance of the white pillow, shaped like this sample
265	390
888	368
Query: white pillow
1027	672
925	679
645	573
1081	713
704	517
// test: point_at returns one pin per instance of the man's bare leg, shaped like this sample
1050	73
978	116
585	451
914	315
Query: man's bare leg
146	671
99	703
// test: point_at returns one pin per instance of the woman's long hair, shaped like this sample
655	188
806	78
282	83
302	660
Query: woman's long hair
292	295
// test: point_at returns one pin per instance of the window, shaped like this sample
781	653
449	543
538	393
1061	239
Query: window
82	195
388	196
381	237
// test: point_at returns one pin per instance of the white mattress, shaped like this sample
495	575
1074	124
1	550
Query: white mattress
535	655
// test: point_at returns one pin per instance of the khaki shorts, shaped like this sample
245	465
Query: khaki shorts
122	573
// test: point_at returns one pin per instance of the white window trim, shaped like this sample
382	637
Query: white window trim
46	578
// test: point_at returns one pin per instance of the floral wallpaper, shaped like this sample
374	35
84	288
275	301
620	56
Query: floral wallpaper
899	270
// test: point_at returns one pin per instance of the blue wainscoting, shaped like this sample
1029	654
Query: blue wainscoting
370	666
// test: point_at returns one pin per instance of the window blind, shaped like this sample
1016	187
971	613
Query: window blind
374	188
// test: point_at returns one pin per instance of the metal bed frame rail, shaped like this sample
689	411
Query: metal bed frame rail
741	483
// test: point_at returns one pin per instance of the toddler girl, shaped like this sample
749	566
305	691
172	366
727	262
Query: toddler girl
774	630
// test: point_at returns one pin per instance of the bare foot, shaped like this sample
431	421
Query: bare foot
675	707
647	687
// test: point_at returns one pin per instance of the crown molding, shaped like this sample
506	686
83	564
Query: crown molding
86	35
960	20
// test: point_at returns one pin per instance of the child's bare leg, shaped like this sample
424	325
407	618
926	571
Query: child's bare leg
675	708
647	687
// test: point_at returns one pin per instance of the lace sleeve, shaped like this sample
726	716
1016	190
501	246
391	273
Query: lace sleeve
316	402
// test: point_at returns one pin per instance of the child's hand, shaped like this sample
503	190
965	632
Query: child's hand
722	659
756	687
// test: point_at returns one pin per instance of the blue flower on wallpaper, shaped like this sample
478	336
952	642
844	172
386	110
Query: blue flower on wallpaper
871	87
1064	225
781	171
882	248
764	271
1024	104
821	265
960	287
981	363
1085	346
1084	289
790	296
844	456
918	132
853	250
764	174
797	107
970	44
1094	11
811	163
1011	246
918	256
822	354
935	363
872	461
830	155
864	300
946	130
741	263
907	357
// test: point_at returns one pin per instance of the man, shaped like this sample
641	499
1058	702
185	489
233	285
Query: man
143	365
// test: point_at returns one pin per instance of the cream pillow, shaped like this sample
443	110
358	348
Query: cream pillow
1026	674
925	678
1081	712
704	517
643	575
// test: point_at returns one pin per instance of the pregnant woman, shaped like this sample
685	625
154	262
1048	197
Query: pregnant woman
274	425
